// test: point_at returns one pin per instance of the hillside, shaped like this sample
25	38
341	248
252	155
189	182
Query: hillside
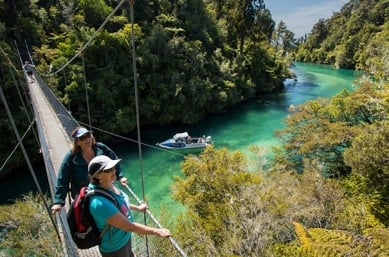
356	37
325	193
193	58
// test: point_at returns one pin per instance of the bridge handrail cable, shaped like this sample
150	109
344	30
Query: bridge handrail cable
67	120
89	41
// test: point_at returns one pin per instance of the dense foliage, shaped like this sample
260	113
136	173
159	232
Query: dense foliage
26	230
354	37
193	58
258	217
325	193
16	119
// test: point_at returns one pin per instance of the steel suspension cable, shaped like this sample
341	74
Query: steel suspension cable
86	91
90	40
18	52
156	221
10	66
28	160
131	3
16	146
29	55
20	141
9	61
20	95
136	102
65	83
132	140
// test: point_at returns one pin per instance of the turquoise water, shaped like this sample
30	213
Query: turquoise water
252	123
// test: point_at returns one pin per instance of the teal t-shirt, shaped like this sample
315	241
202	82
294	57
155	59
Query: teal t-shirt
102	209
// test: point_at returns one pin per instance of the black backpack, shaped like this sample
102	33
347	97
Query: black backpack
82	226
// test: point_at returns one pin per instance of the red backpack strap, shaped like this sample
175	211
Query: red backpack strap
77	208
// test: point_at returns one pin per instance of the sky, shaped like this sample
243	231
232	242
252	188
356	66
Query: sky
301	15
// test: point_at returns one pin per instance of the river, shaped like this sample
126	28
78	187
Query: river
251	123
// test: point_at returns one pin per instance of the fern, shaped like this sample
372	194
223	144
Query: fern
338	243
301	234
380	241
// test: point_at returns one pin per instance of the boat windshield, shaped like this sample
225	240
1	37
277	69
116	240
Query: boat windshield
181	135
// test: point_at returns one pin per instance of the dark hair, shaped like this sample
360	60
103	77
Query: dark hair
92	170
94	180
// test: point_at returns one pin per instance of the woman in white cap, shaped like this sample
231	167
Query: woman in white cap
116	242
73	172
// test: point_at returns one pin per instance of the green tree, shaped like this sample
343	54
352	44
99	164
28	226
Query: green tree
283	38
374	58
243	19
313	133
279	32
318	34
323	242
94	11
263	26
368	156
232	212
346	38
27	230
211	187
323	129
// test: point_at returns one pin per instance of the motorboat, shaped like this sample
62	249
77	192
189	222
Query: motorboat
185	141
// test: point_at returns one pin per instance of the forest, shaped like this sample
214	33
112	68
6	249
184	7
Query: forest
194	58
325	193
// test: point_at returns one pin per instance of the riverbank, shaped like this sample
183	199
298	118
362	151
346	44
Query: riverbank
251	123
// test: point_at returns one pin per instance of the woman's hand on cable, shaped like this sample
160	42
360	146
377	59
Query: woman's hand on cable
124	181
143	207
163	232
56	208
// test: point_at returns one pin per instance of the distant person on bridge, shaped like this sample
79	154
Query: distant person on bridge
29	68
73	172
117	241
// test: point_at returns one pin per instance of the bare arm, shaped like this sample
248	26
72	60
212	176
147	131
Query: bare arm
120	221
141	208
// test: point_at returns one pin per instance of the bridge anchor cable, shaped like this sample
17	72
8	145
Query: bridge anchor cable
156	221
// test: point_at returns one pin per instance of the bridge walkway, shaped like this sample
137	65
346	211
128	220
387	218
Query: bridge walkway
55	142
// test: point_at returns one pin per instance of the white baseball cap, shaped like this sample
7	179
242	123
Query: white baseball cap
100	163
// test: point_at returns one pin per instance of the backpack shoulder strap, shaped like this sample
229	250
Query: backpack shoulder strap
104	193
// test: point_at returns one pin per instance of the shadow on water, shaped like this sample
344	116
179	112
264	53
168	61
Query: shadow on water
21	182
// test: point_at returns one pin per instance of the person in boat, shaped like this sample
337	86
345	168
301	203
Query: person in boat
116	242
73	172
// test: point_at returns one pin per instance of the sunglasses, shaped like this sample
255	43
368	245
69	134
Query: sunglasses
85	136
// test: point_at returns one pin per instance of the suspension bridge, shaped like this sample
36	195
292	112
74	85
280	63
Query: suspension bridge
54	125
